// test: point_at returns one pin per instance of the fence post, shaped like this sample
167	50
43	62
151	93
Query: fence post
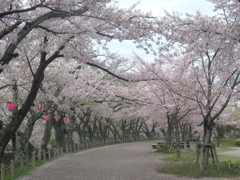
49	154
27	161
21	163
2	171
12	168
74	147
58	152
40	155
34	158
66	148
54	153
44	155
71	148
62	151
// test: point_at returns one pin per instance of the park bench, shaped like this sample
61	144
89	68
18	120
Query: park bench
158	145
155	146
174	145
161	144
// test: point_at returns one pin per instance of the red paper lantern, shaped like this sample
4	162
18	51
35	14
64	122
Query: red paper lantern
46	117
65	118
10	106
39	106
58	117
89	123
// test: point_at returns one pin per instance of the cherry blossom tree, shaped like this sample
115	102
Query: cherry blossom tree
201	61
36	34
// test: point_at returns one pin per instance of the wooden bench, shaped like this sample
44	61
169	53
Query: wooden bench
174	145
158	145
155	146
161	144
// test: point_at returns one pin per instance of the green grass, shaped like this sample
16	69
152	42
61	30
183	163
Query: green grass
177	158
185	165
225	143
25	171
191	169
165	150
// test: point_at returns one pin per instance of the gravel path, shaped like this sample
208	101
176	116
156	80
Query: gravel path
234	152
130	161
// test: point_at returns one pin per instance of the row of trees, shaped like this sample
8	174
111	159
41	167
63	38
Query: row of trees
55	52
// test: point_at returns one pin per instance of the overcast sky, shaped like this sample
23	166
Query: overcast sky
157	7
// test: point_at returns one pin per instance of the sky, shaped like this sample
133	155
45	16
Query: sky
157	7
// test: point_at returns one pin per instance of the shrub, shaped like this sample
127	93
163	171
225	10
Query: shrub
237	142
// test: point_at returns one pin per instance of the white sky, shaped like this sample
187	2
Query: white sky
157	7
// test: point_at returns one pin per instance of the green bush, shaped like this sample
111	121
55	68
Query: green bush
231	166
237	142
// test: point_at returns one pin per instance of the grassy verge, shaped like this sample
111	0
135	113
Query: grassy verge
23	172
185	165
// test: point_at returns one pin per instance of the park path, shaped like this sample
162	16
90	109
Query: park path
129	161
234	152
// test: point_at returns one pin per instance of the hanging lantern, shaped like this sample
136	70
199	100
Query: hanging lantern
10	106
89	123
39	106
58	117
46	117
65	118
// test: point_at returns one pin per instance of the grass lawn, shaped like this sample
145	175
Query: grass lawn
185	165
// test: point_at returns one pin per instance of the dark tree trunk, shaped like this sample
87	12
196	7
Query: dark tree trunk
115	132
47	133
26	135
208	127
59	128
177	132
218	135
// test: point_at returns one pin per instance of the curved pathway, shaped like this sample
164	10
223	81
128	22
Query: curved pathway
129	161
235	152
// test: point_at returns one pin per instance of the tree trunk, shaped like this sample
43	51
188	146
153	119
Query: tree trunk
114	132
59	128
26	135
70	132
47	134
177	133
234	132
208	127
218	135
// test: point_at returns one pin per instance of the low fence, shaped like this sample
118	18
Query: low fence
42	156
